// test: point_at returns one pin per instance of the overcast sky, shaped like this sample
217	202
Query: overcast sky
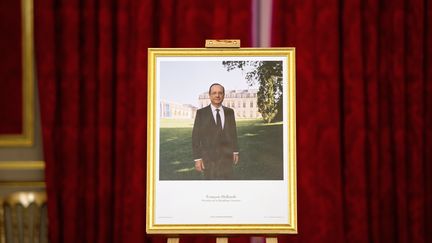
182	81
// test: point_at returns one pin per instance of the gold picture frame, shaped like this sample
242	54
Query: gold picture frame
26	138
253	203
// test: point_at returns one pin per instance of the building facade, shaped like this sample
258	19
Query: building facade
175	110
244	102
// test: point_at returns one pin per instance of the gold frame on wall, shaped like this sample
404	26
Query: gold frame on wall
26	138
22	165
289	182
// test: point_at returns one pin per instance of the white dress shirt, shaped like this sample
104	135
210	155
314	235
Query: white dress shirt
221	113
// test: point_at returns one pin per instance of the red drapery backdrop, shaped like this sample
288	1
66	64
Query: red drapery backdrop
91	68
363	102
364	115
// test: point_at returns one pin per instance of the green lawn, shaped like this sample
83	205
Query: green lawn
261	152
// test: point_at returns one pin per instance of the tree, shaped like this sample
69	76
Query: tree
268	74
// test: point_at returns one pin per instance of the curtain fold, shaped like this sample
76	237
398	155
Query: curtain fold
91	61
364	118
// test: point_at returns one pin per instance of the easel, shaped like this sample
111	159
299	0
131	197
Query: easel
223	44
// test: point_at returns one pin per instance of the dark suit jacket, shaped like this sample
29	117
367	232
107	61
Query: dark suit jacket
207	143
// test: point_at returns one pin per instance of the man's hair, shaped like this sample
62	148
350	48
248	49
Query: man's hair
223	88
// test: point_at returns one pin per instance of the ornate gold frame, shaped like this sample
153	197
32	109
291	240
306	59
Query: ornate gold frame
151	227
26	138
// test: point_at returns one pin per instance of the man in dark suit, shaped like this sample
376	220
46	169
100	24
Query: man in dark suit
214	138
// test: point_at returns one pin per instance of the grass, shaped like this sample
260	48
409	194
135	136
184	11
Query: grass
261	151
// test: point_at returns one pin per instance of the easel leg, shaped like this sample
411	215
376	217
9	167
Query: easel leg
221	240
271	240
173	240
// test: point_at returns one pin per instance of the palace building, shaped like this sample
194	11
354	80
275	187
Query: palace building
244	102
176	110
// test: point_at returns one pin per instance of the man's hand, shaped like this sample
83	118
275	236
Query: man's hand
235	158
199	165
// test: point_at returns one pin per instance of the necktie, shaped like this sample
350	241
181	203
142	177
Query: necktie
218	120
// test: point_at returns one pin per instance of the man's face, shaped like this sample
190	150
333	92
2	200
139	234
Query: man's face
216	95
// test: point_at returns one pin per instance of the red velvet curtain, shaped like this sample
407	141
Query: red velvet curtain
364	115
91	68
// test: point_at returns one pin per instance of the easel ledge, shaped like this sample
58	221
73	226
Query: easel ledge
224	240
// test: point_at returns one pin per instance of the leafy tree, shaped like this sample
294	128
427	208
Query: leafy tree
268	74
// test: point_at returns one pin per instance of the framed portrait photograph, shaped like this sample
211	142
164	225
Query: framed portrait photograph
221	142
